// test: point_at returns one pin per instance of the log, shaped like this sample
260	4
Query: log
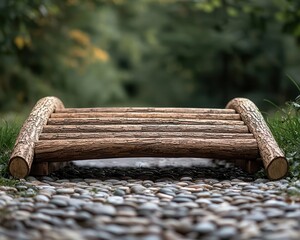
81	149
22	156
272	156
145	110
148	115
106	120
145	128
202	135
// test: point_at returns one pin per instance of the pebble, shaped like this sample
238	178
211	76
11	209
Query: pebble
41	198
149	204
138	189
205	227
65	191
226	232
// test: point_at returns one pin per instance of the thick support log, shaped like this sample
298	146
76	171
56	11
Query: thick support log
106	120
81	149
201	135
22	156
145	128
145	110
272	156
214	116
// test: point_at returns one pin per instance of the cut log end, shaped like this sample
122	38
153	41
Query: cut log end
18	167
277	168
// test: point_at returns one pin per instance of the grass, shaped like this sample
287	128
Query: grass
285	126
9	130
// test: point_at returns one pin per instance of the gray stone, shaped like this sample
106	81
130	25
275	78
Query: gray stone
65	191
59	202
149	206
226	232
205	227
203	194
83	216
181	199
115	200
138	189
41	198
100	209
119	192
275	203
52	212
256	216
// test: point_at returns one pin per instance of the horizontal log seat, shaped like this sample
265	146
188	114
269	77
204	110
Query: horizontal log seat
53	135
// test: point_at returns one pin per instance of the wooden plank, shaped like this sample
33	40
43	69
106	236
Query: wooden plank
105	120
145	110
145	128
148	115
22	156
61	136
66	150
273	158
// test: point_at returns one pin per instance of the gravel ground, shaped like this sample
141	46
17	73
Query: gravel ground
150	200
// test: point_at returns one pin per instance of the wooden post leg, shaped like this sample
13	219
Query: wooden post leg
250	166
45	168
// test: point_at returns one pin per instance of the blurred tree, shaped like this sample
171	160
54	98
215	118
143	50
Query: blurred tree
147	52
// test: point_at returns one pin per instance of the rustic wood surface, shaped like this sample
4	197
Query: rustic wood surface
106	120
22	156
81	149
145	110
145	128
273	158
214	116
200	135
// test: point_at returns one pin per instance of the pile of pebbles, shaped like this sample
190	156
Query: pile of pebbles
154	203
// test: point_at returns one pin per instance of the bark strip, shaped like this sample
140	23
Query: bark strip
145	128
99	135
272	156
145	110
214	116
106	120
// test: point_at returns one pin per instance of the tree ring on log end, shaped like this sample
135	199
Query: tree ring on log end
277	168
18	167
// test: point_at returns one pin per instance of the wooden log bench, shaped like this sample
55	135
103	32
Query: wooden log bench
53	135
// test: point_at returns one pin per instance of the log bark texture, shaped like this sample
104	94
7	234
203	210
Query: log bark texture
106	120
67	150
22	156
145	128
273	158
215	116
99	135
145	110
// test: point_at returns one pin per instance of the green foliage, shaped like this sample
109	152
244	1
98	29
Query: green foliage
8	134
146	52
285	125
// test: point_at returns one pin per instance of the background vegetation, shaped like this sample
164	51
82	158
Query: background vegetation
147	52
